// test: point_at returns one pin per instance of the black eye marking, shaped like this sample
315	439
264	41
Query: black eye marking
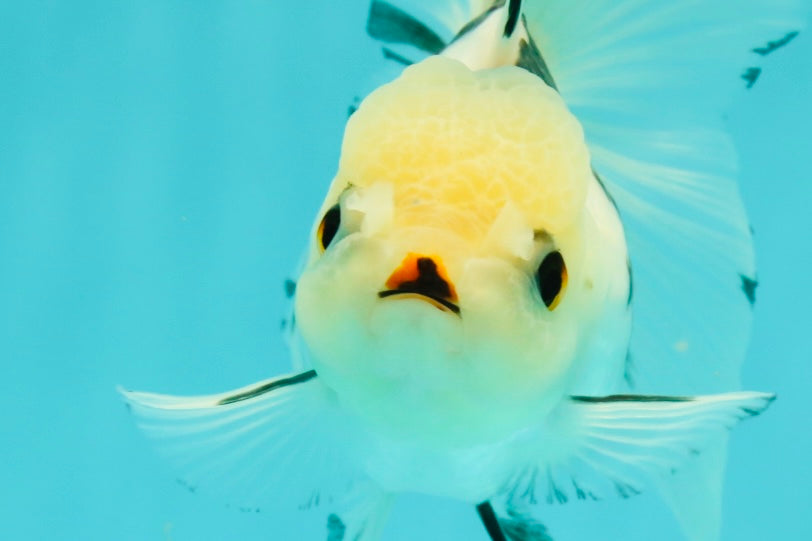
551	278
329	226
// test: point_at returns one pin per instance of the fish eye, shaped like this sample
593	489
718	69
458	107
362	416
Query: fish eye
551	278
329	226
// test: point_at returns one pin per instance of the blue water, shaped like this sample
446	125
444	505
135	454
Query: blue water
159	169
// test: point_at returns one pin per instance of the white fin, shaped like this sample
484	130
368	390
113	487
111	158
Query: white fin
617	446
280	444
650	81
367	512
695	492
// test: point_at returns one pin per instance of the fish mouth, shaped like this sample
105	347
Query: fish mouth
438	302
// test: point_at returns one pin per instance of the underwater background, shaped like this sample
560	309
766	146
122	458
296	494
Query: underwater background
160	167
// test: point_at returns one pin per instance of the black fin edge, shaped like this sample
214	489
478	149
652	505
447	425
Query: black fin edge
630	398
490	521
774	45
531	59
749	286
514	10
335	528
389	54
476	21
268	387
390	24
751	75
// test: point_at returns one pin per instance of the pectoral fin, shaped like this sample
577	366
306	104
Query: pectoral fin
278	444
616	446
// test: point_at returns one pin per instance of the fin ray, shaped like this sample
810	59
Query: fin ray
278	442
649	82
513	521
619	446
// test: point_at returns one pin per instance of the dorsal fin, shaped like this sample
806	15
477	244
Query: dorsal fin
390	24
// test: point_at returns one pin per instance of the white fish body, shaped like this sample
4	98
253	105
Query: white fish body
467	303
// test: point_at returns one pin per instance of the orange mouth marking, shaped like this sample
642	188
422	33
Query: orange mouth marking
424	277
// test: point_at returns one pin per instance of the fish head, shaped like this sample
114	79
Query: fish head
445	279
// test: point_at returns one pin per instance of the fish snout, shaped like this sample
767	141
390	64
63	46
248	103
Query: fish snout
423	277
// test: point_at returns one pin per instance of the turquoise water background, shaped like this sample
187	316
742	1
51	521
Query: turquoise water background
160	165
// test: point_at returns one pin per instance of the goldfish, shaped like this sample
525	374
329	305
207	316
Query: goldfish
529	283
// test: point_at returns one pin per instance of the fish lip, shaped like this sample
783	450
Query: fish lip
439	302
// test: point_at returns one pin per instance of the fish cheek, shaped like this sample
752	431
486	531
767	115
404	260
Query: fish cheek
503	315
335	297
518	362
